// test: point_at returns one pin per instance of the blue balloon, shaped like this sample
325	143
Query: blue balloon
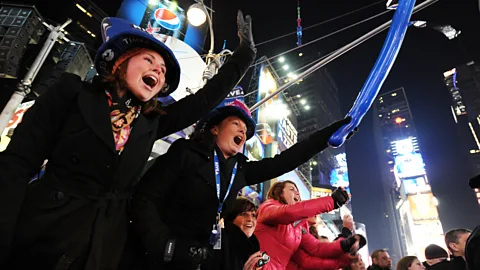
379	73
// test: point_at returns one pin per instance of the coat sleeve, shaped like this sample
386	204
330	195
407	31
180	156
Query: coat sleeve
286	161
307	262
272	213
33	139
150	193
188	110
321	249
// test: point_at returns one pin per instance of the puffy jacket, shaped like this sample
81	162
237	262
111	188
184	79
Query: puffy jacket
301	260
281	230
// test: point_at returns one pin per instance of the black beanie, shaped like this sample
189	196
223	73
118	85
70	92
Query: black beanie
435	252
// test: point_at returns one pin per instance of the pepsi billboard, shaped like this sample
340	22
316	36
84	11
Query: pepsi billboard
165	18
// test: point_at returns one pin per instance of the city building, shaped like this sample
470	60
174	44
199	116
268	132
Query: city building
463	84
412	219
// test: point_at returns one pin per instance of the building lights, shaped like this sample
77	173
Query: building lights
83	10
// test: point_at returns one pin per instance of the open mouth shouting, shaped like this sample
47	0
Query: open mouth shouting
238	140
296	199
150	80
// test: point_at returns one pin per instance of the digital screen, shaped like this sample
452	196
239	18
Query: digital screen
409	165
254	150
339	175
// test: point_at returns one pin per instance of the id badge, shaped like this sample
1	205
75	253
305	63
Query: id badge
218	243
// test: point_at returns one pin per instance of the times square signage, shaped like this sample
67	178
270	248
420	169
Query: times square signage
287	133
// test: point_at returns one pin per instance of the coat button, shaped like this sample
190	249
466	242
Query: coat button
108	166
75	160
59	196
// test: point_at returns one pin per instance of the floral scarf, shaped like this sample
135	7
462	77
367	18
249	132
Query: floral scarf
123	113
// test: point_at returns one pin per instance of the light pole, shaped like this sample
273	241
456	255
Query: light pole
24	85
197	14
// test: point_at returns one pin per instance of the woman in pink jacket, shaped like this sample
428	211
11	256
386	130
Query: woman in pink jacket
282	226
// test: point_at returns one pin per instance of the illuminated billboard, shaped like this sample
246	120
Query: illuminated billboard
409	165
339	175
408	160
416	185
254	150
423	208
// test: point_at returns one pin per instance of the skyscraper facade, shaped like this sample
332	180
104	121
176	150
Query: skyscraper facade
463	84
410	208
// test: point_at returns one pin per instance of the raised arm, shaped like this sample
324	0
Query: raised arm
272	212
29	147
186	111
288	160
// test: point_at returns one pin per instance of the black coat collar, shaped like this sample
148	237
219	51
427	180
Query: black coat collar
94	107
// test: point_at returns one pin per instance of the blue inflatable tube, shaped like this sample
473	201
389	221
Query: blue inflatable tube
375	80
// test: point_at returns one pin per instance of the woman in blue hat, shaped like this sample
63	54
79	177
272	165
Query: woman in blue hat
97	138
181	200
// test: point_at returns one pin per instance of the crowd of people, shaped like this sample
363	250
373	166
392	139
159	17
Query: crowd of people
93	209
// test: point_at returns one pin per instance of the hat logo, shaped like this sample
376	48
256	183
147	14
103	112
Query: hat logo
108	55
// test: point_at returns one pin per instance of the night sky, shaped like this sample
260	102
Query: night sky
425	55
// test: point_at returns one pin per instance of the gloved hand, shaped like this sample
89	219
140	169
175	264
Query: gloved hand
325	133
185	253
340	197
353	243
245	29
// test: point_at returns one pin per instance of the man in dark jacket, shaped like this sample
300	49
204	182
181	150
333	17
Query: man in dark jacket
456	241
437	258
380	260
472	253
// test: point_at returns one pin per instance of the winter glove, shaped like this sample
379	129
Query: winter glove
340	197
245	30
185	253
323	135
353	243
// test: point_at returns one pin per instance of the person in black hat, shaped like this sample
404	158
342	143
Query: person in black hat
182	198
97	137
436	256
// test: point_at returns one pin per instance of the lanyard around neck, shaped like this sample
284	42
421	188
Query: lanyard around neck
217	178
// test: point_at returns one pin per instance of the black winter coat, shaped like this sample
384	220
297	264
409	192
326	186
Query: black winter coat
472	250
236	249
76	216
177	199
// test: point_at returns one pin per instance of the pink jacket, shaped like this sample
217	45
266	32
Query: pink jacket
301	260
281	230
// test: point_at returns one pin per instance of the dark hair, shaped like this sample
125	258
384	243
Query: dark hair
376	253
453	235
116	82
241	205
313	231
276	190
406	262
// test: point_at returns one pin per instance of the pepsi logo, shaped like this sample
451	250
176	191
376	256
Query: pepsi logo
167	19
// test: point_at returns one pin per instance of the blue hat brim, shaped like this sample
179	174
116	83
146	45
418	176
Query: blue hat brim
219	114
121	36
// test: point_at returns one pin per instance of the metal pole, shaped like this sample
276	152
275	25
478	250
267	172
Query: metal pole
24	86
337	54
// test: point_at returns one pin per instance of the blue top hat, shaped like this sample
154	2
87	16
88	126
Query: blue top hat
230	107
120	36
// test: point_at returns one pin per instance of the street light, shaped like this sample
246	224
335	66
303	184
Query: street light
447	30
197	14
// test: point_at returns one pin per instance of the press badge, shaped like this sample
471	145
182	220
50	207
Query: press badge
218	242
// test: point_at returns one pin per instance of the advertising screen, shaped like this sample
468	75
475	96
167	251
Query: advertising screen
339	175
423	208
320	192
409	165
254	150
